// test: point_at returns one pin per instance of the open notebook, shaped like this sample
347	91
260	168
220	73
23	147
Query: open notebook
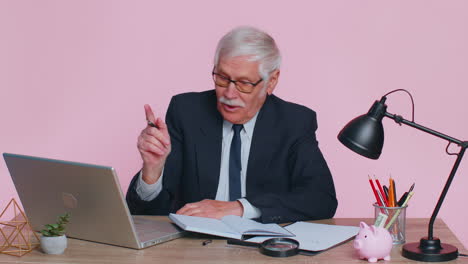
230	226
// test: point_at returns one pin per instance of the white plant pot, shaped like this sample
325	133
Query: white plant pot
54	245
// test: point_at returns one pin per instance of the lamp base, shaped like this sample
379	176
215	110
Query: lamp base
429	250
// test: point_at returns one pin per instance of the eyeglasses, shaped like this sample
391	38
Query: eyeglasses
241	86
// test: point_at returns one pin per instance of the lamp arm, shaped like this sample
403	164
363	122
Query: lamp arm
398	119
445	190
462	144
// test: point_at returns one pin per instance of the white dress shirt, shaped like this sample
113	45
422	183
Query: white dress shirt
147	192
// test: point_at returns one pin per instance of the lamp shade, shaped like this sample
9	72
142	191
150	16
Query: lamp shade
364	134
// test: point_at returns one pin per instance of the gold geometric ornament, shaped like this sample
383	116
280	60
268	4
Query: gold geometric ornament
16	235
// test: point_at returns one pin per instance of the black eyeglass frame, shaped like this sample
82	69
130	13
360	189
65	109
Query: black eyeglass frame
213	73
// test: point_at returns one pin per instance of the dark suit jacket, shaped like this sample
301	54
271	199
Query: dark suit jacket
287	176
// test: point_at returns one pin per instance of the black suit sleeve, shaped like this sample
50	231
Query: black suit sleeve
166	201
311	194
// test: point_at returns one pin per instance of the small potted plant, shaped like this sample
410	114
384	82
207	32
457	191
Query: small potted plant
53	239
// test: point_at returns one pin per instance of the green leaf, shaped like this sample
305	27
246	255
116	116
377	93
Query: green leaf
58	228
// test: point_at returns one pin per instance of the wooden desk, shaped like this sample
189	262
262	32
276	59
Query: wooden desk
190	250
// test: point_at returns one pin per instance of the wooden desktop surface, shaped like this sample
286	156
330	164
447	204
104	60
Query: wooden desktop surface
190	249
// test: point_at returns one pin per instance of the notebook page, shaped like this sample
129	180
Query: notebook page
317	237
251	227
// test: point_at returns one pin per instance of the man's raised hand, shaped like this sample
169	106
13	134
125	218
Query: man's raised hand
154	144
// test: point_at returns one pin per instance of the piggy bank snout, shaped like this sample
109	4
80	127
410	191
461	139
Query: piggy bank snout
358	244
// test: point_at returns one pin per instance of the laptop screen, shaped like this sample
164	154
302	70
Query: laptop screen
48	188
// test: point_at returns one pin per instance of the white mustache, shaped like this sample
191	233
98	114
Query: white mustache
231	102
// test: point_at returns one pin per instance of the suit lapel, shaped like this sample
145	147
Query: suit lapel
208	150
263	140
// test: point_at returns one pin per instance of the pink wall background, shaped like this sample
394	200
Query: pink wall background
74	76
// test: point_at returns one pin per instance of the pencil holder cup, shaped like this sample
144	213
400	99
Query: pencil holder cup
393	219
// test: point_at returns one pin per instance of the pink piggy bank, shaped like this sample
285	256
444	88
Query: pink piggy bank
373	243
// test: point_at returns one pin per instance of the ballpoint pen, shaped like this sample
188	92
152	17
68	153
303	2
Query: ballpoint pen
403	197
385	188
151	124
394	193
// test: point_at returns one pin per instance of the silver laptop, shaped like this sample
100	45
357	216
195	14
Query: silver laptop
48	188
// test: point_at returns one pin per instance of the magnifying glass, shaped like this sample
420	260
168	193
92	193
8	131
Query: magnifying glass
279	247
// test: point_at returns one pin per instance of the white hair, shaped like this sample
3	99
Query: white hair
250	41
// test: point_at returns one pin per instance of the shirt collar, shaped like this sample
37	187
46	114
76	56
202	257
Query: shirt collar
248	127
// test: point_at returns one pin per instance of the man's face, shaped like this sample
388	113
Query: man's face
237	107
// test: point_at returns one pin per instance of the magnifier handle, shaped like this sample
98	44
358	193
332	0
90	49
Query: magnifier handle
242	243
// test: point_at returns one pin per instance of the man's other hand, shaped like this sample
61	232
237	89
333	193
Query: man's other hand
154	144
212	209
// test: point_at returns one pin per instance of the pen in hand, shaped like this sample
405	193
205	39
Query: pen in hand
151	124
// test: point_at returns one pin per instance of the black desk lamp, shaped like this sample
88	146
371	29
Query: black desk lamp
365	136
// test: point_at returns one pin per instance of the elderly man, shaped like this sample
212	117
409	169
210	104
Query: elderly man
237	149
